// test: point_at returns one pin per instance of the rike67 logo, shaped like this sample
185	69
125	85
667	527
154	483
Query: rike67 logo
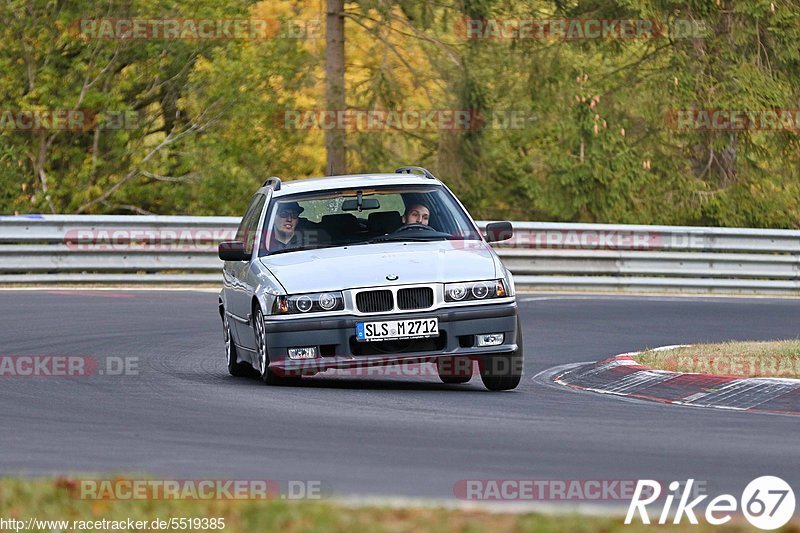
768	502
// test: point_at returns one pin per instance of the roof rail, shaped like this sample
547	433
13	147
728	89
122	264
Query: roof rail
415	170
275	181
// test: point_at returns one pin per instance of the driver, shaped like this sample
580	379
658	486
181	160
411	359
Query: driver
417	214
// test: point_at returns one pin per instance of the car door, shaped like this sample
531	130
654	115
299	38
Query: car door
241	282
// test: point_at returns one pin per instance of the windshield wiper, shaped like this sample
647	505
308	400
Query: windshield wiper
404	238
302	248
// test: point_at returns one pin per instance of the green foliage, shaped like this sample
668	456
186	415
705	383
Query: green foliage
598	142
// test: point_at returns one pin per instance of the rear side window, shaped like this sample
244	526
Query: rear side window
249	224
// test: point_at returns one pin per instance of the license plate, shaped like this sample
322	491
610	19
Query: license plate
415	328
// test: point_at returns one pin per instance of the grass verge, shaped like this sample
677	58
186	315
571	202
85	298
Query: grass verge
741	359
57	500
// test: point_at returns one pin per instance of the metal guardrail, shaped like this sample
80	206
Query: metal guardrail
62	249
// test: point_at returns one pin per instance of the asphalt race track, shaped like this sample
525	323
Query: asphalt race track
182	416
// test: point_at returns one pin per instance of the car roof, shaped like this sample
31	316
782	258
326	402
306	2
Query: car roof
351	181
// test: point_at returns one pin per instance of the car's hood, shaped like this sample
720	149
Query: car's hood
369	265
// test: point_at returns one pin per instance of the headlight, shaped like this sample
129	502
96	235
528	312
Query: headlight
474	291
300	304
328	301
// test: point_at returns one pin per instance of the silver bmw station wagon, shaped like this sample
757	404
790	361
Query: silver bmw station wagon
357	271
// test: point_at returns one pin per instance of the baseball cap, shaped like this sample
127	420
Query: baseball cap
291	206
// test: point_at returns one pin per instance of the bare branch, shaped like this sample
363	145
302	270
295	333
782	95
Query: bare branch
412	70
447	48
170	139
178	179
128	207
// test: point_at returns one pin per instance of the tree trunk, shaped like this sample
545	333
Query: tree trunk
334	86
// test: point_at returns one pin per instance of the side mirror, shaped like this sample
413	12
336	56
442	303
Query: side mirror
233	251
499	231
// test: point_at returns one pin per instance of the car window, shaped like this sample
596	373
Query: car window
249	224
314	210
390	202
321	222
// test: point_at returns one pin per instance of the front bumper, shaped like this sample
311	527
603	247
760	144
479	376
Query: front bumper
336	346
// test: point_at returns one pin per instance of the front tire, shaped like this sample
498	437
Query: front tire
268	376
503	372
235	368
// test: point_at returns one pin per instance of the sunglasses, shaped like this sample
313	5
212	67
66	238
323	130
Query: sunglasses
289	214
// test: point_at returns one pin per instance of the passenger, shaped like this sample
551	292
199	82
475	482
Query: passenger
284	233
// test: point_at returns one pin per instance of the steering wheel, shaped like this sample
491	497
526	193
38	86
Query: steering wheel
408	227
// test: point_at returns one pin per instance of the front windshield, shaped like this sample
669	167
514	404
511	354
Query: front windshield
364	216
